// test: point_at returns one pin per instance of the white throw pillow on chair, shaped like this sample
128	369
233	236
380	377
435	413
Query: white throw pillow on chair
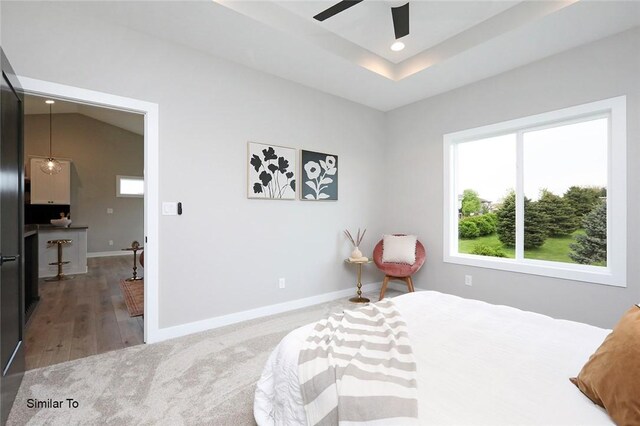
399	249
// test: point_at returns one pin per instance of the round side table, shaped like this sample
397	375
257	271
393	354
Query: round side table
359	298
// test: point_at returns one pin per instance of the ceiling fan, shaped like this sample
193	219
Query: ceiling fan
399	14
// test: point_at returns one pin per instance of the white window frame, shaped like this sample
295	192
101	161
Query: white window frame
615	272
120	194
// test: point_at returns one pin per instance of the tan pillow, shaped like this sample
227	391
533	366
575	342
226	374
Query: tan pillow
611	377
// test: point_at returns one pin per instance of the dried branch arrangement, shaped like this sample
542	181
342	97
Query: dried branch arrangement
355	241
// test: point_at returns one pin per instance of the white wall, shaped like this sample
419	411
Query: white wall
225	253
604	69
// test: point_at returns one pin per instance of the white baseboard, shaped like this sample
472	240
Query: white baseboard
221	321
108	253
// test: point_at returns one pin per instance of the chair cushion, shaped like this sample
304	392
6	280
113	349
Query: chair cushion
399	249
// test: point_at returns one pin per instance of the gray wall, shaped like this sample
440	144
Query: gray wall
604	69
225	253
98	152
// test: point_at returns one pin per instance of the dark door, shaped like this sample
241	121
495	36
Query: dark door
11	239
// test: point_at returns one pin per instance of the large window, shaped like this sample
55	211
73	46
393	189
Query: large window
542	195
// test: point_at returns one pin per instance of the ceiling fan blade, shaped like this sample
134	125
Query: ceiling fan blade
400	20
335	9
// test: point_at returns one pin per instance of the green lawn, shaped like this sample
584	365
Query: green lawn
466	246
553	249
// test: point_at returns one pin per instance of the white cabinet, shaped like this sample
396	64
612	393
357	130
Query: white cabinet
50	189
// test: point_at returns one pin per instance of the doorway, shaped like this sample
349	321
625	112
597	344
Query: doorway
150	135
84	208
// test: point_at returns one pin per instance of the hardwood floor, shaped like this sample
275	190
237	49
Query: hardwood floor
83	316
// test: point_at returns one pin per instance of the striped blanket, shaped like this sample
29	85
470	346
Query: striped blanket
357	367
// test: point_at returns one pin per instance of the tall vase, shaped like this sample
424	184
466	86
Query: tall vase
356	253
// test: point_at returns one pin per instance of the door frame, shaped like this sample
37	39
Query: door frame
151	179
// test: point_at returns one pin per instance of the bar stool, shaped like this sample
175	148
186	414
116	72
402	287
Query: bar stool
60	262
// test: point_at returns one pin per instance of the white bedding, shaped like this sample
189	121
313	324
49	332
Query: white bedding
478	364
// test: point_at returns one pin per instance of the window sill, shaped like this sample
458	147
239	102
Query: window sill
582	273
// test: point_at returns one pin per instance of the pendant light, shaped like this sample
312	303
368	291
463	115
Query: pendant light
50	166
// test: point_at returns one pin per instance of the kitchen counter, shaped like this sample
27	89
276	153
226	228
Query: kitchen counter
30	230
48	227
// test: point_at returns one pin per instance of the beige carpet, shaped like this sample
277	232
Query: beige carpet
205	378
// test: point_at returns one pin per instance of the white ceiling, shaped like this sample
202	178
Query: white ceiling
451	44
369	24
122	119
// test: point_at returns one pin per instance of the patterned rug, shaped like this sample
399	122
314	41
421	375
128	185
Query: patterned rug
204	378
133	296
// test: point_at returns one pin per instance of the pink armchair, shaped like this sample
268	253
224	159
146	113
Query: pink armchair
398	271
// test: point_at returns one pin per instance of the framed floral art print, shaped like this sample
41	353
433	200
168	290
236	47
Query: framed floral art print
271	172
319	176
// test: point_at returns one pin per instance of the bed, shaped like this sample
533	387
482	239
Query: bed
477	364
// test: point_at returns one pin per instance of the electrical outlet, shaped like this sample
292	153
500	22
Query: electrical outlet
110	242
468	280
109	210
281	283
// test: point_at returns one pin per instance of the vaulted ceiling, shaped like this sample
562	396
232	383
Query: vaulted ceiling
125	120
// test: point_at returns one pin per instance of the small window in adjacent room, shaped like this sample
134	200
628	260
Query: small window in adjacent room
129	186
543	195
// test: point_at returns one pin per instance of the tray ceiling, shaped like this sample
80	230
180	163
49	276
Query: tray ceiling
452	43
369	24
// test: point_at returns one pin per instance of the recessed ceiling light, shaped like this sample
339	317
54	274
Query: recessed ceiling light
397	46
49	101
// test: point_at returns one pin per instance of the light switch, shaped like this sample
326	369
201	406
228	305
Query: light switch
169	208
109	210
